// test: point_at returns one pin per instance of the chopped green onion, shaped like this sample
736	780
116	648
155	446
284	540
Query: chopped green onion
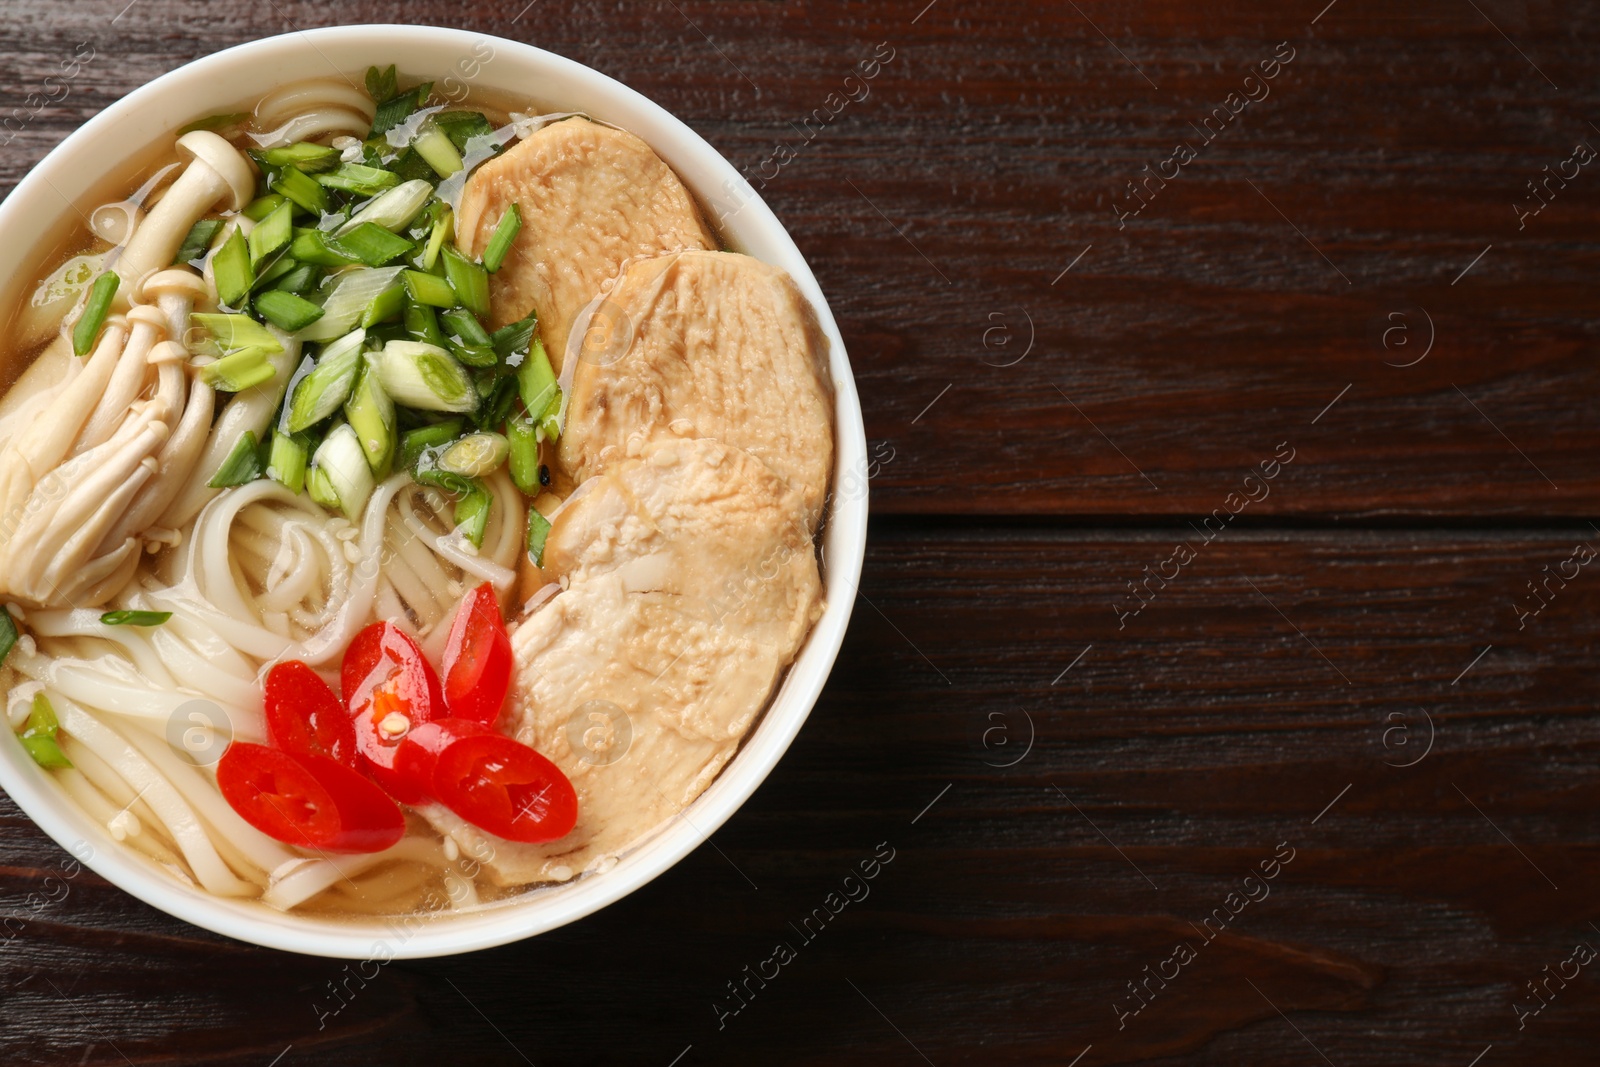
463	126
302	189
286	463
470	281
550	421
272	232
429	289
434	146
443	230
384	307
299	278
523	440
512	340
242	465
135	618
424	377
321	489
303	155
201	234
413	443
95	310
286	311
232	269
358	178
410	166
371	244
274	270
321	393
536	380
538	531
239	371
394	209
475	455
215	122
422	324
234	332
467	328
258	209
342	462
8	633
38	735
394	110
472	513
352	294
505	233
381	83
313	246
372	417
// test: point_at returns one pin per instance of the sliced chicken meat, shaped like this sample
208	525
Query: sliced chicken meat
691	584
592	198
706	344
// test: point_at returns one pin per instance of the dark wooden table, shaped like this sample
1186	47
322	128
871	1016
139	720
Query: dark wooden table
1206	512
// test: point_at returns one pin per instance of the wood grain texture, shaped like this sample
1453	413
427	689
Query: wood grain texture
996	145
1077	741
1029	884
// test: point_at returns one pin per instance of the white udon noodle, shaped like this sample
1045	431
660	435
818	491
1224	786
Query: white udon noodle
262	576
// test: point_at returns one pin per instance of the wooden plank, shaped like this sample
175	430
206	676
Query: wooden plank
1028	884
996	146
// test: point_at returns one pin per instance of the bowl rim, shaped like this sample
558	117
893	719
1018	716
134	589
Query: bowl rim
716	183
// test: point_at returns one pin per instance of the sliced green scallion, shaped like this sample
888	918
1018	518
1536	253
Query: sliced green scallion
394	110
313	246
233	332
277	268
475	455
321	488
258	209
135	618
536	380
414	443
388	305
437	150
538	531
443	229
242	465
422	323
524	452
8	633
286	311
95	310
238	371
352	294
286	462
341	461
359	179
302	189
381	83
468	340
302	155
323	391
393	210
232	269
470	282
39	735
372	417
372	244
200	236
429	289
272	232
472	513
505	234
424	377
298	279
513	340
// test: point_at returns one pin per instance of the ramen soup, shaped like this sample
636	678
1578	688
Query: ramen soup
402	502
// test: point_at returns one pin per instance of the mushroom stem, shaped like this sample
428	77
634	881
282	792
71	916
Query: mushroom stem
216	169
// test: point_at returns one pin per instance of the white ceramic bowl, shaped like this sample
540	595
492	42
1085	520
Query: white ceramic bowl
73	174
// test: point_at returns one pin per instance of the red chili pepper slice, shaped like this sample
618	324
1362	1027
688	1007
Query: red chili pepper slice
390	689
419	755
477	658
305	717
506	788
311	801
